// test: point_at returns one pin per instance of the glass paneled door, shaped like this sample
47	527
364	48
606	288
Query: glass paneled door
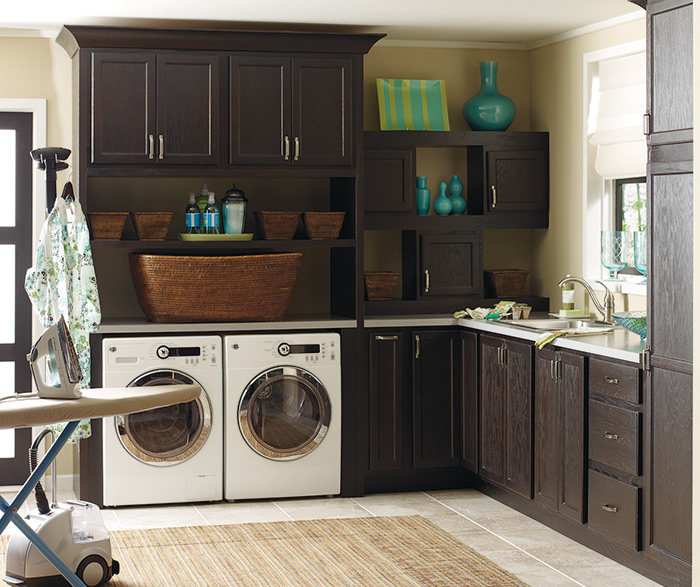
15	259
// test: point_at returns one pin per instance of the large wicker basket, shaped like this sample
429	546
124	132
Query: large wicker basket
247	288
505	283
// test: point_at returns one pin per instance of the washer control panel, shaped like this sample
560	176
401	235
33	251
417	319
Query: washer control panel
126	353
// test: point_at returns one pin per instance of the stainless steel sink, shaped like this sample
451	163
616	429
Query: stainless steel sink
546	324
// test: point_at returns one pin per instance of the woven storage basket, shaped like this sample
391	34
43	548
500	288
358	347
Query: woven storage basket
277	225
107	225
151	226
246	288
323	225
505	283
380	284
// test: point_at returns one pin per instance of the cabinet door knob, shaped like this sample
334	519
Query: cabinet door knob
151	147
611	436
386	337
609	508
286	148
297	148
427	281
493	196
161	146
611	380
417	346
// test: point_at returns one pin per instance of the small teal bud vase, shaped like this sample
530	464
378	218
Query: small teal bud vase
459	204
422	196
442	204
489	109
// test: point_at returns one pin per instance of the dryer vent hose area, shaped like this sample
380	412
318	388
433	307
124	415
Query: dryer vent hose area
42	504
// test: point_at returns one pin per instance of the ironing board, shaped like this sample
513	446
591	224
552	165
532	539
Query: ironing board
29	410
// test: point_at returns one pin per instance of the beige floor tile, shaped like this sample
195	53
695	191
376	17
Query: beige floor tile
608	574
109	517
131	518
241	512
321	507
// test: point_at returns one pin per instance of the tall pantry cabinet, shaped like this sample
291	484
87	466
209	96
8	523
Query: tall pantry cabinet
668	399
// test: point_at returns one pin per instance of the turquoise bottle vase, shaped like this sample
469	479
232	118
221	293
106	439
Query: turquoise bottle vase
459	204
422	196
489	109
442	204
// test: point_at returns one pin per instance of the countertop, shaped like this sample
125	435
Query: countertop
619	344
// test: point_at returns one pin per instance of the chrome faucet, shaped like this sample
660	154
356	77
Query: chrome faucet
607	308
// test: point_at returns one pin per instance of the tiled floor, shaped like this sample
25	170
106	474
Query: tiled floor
536	554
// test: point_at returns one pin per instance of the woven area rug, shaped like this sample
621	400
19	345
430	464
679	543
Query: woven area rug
355	552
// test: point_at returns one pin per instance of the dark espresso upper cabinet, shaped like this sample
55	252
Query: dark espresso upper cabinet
152	108
516	181
291	111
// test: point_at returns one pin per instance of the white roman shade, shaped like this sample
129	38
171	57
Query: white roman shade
618	133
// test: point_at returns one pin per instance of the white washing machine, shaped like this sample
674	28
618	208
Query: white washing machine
282	401
172	454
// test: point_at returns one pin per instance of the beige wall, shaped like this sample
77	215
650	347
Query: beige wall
556	105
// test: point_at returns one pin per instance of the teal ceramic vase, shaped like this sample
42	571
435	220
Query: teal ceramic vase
422	196
442	204
459	204
489	109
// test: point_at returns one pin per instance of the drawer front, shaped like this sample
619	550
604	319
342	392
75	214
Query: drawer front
614	437
614	380
613	509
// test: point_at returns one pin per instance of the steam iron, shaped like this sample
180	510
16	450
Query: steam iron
54	364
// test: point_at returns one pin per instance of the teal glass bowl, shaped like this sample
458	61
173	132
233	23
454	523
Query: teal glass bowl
633	321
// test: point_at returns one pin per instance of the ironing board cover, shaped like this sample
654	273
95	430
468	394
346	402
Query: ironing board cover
62	282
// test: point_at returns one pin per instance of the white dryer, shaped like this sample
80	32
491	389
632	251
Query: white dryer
172	454
283	413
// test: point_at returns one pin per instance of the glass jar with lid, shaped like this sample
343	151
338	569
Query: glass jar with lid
234	207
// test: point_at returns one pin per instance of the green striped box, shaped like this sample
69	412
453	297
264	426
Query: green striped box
412	104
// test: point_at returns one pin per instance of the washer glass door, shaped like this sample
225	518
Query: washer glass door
167	435
284	413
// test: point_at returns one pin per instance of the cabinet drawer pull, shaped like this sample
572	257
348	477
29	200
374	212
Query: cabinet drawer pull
611	380
386	337
286	148
297	148
551	370
504	355
609	508
417	346
493	196
151	147
427	281
611	436
161	146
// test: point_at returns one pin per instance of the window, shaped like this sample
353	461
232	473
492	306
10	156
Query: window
631	204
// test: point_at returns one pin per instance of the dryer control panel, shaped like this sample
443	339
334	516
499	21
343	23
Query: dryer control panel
191	352
290	349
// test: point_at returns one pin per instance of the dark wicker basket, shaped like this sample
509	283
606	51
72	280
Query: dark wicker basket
277	225
380	284
107	225
505	283
151	226
246	288
323	225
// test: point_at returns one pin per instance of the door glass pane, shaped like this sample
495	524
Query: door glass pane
7	177
7	294
7	383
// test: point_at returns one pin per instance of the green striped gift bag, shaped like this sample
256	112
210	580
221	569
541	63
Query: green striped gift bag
412	104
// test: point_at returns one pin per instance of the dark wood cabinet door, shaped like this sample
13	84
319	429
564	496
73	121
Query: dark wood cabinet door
436	399
518	417
322	111
124	108
573	460
492	398
670	67
450	264
470	400
516	181
389	182
546	430
189	98
260	110
386	401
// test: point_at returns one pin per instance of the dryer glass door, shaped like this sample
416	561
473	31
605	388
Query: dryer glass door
168	435
284	413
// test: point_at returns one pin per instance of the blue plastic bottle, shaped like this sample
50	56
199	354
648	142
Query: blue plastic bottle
211	216
193	217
